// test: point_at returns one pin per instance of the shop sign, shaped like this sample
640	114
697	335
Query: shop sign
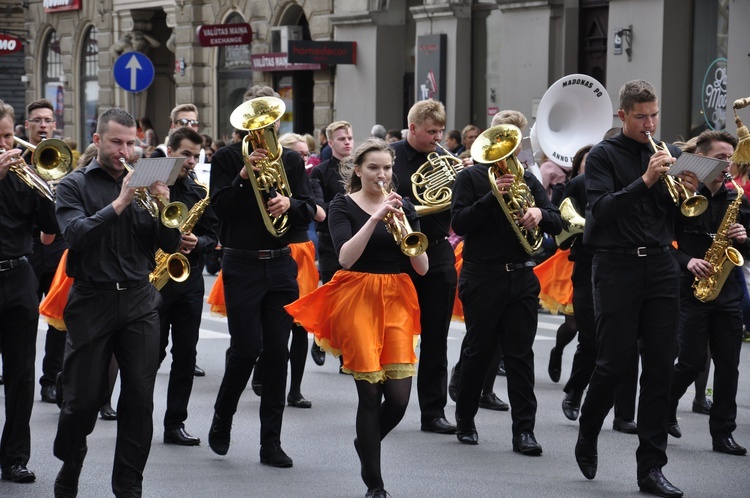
325	52
9	44
714	98
221	35
61	5
431	67
279	62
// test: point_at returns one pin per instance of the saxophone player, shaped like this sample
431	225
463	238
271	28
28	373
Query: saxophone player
717	323
183	301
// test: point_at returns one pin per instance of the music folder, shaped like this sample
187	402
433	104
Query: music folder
705	168
157	169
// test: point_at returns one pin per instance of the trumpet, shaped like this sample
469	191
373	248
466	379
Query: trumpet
411	243
173	214
51	159
694	204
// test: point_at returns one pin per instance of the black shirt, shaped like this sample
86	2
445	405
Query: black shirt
235	204
20	207
622	211
489	237
190	193
105	247
327	174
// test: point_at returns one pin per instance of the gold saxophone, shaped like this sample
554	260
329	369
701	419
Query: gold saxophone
722	256
176	266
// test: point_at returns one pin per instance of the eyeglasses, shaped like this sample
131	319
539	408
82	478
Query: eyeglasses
186	121
37	121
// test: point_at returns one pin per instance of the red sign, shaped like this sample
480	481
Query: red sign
61	5
279	62
9	44
325	52
219	35
491	111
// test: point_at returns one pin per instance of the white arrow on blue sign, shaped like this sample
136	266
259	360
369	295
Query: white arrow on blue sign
133	71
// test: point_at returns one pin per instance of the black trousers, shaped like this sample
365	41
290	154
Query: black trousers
718	324
499	306
636	306
19	316
436	291
256	292
181	313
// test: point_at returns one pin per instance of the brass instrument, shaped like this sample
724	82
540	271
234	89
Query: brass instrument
496	146
259	116
176	266
573	222
433	181
721	255
694	204
173	214
51	159
411	243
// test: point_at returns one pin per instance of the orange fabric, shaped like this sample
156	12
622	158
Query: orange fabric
369	318
216	297
307	273
458	307
556	294
53	304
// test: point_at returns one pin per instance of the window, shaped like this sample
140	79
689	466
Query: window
51	73
89	95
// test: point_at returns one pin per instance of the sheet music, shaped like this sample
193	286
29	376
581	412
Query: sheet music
526	155
157	169
705	168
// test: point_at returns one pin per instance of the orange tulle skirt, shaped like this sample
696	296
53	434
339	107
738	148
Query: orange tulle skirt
53	304
458	307
370	319
216	297
556	294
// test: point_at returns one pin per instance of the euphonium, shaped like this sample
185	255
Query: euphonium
496	146
51	159
411	243
573	222
693	205
722	256
433	181
259	116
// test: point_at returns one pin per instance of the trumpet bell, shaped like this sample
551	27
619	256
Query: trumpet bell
496	143
52	159
694	205
414	244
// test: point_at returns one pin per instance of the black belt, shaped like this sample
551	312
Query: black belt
262	254
120	286
507	267
10	264
637	251
437	241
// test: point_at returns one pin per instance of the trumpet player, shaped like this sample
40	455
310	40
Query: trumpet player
717	322
20	205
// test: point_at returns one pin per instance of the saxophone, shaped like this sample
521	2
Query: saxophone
176	266
722	256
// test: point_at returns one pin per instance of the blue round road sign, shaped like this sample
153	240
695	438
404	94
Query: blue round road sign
133	71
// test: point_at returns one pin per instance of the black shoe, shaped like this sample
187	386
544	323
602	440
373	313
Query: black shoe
18	473
492	402
198	372
377	493
571	404
180	436
49	394
219	435
318	355
107	413
66	482
526	444
298	401
702	406
624	426
439	425
1	380
466	432
586	456
555	364
453	384
501	368
656	484
729	446
673	428
273	455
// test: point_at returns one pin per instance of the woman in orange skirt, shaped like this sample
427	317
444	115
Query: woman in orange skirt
369	311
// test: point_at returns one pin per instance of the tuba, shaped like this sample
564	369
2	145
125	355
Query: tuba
52	160
573	222
258	117
432	182
496	146
411	243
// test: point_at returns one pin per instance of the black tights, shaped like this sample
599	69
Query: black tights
565	333
375	419
297	359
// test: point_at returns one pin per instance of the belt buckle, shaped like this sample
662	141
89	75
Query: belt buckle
641	252
265	254
120	287
5	265
510	267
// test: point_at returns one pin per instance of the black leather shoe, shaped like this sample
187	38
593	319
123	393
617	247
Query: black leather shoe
273	455
377	493
673	428
198	372
219	435
318	355
501	368
702	406
555	364
180	436
298	401
656	484
492	402
526	444
571	404
107	413
466	432
729	446
66	482
624	426
49	394
587	457
453	384
439	425
18	473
